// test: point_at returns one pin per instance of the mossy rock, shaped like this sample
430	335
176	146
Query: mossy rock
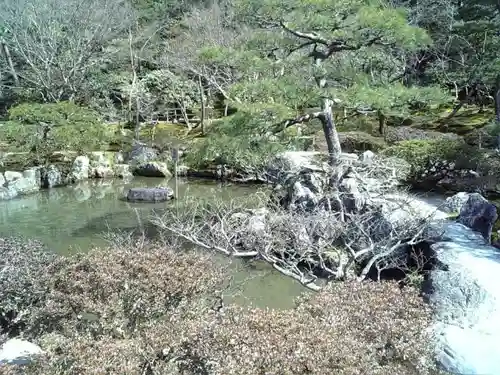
407	133
352	142
420	152
465	121
445	166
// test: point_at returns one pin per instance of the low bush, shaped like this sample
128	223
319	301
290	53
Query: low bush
420	153
156	311
240	153
407	133
42	129
24	283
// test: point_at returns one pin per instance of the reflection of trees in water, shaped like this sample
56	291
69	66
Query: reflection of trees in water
134	222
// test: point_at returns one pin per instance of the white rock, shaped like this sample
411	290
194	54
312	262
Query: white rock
12	176
19	352
367	157
455	203
80	168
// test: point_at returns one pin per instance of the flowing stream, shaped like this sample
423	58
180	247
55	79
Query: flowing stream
466	298
75	218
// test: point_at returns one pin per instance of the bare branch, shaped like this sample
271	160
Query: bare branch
313	37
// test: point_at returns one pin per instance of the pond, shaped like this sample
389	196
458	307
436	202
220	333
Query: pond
75	218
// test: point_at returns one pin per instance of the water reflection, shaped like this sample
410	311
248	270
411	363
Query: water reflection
74	218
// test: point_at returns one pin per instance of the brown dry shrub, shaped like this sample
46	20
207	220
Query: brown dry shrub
111	292
137	329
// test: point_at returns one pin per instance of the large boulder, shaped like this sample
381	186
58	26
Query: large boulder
19	352
19	183
152	169
51	176
141	153
101	165
123	171
455	203
153	195
479	215
292	162
80	169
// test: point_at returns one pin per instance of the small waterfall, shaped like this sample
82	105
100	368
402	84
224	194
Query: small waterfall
466	301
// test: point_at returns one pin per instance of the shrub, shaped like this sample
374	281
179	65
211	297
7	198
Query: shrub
151	311
420	153
42	129
239	153
23	282
406	133
104	292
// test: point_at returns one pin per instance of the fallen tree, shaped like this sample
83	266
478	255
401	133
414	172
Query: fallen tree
311	229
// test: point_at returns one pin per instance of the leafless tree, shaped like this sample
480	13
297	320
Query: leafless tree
334	240
57	44
205	28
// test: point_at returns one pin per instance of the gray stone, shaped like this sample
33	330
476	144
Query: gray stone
17	183
479	215
142	154
152	169
12	176
367	157
157	194
19	352
101	165
291	162
123	171
119	158
7	194
80	169
51	177
455	203
102	171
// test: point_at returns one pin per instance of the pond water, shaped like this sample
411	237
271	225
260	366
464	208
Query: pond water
75	218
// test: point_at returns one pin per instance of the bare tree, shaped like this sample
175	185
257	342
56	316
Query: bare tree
360	226
57	44
210	27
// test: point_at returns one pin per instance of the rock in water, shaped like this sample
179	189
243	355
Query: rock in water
80	169
157	194
17	183
455	203
51	177
123	171
18	352
479	215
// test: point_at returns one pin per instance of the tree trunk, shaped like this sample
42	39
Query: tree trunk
496	96
4	50
382	123
330	132
202	106
184	114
